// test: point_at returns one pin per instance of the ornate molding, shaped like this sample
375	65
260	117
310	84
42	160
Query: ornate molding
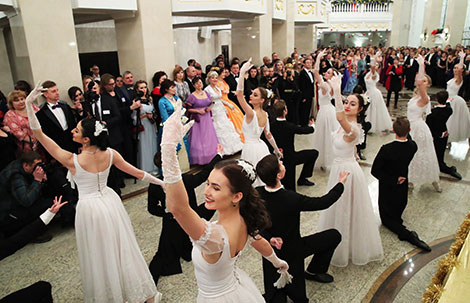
306	9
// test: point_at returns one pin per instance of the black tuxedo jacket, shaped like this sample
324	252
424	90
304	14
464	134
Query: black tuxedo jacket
414	66
437	120
52	128
284	208
232	83
284	133
306	86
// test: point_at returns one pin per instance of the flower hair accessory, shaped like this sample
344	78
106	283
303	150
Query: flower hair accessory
269	93
248	169
366	98
99	127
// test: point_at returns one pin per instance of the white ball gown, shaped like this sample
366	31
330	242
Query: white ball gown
458	124
377	113
352	215
424	167
325	125
223	281
254	149
224	129
111	264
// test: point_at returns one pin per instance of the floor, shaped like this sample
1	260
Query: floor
401	276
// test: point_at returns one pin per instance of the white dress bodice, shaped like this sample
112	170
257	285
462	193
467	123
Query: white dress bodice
453	88
416	113
324	99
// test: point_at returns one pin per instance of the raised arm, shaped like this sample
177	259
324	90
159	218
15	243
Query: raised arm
128	168
421	83
316	70
240	89
61	155
335	82
176	196
458	76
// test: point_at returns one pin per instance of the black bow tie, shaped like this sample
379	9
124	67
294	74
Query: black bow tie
55	106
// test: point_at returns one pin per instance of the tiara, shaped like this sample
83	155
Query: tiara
248	169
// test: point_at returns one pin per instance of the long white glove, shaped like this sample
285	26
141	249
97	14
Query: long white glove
421	70
243	70
282	267
151	179
335	82
173	133
462	58
33	95
318	60
277	152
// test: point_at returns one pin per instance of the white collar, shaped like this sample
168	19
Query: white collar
441	105
398	140
281	119
273	190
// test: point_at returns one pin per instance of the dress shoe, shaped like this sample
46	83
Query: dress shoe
45	237
305	182
416	241
322	278
361	156
455	174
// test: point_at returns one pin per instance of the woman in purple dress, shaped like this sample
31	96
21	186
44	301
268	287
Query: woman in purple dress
202	137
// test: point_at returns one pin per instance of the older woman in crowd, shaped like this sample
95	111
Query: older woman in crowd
182	87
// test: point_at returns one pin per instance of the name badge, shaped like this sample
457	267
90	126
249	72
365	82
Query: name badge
106	112
123	99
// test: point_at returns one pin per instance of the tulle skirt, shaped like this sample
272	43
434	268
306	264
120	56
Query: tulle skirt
253	151
458	124
325	125
424	167
111	264
353	216
377	113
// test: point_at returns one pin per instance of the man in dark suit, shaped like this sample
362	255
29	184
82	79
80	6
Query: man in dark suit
174	242
431	64
437	122
390	167
284	133
189	76
306	86
57	119
411	70
284	207
232	82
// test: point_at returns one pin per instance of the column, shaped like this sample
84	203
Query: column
432	19
455	21
6	79
44	32
305	38
401	22
253	37
416	23
284	32
145	43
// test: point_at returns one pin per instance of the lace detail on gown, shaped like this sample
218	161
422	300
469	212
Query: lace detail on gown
213	239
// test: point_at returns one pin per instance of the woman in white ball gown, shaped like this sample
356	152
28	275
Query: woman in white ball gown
218	245
111	264
352	215
255	123
458	124
424	168
326	123
377	113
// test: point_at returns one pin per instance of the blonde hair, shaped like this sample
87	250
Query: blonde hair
210	75
415	91
14	95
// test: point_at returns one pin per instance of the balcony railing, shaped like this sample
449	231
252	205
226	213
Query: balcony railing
361	8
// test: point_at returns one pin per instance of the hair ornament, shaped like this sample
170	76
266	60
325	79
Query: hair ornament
99	127
366	98
269	93
248	169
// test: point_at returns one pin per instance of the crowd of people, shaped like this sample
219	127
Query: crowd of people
118	128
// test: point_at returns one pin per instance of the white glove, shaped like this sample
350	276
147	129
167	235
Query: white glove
33	95
151	179
243	70
420	60
278	263
318	60
173	133
335	82
277	152
283	280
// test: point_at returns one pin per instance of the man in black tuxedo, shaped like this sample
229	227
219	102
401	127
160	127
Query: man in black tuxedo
174	242
411	70
437	122
284	133
390	167
232	81
431	64
284	207
307	89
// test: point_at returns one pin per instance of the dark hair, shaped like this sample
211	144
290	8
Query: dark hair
28	157
23	85
88	131
442	96
195	79
156	78
191	62
358	89
136	86
264	95
278	108
105	80
252	208
72	91
48	84
165	86
362	112
267	169
401	126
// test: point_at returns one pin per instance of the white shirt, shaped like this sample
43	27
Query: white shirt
273	190
309	73
98	104
398	140
59	114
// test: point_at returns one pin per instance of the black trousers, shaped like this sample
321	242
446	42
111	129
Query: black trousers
389	95
174	244
440	148
392	204
39	292
366	126
20	217
307	157
304	111
322	245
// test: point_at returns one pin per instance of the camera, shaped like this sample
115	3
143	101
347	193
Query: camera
46	167
91	96
139	96
289	73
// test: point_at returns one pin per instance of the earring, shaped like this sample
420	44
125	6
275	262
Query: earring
234	204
